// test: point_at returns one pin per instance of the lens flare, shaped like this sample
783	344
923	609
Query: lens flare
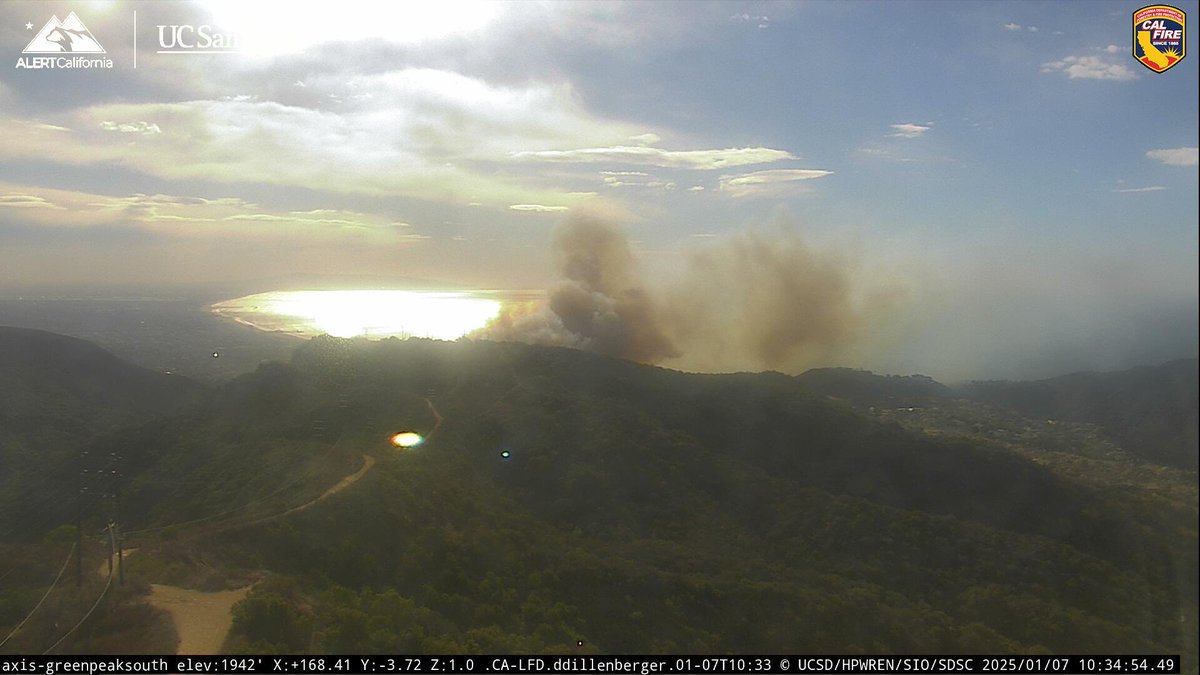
407	439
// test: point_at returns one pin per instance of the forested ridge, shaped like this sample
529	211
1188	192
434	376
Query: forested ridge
562	497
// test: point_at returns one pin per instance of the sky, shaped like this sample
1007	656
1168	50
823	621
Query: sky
982	189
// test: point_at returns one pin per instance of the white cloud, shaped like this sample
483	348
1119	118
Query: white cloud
1033	29
256	24
775	182
908	130
192	217
1090	68
538	208
761	21
1012	26
426	133
647	156
645	139
27	202
1112	49
1152	188
634	179
1175	156
50	127
131	127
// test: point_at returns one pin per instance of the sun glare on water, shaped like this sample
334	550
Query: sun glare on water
443	315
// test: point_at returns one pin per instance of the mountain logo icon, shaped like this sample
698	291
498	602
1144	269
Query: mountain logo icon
61	37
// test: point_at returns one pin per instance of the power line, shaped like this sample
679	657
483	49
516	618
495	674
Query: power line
44	596
96	604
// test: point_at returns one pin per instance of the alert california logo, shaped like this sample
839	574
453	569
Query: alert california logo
63	45
1159	37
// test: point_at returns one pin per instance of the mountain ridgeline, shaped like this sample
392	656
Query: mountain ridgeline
57	394
1150	412
564	499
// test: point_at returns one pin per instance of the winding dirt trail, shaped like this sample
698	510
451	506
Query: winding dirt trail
368	462
437	418
203	618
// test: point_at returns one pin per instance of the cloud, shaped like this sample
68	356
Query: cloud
1112	49
634	179
771	183
85	238
27	202
50	127
909	130
645	139
1012	26
256	23
703	160
537	208
191	217
761	21
131	127
423	133
1152	188
1090	68
1175	156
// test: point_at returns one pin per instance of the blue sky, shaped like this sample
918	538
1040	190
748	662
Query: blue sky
1020	188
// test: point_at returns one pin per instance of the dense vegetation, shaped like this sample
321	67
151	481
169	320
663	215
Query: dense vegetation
1150	411
564	498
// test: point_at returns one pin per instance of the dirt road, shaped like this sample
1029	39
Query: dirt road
202	619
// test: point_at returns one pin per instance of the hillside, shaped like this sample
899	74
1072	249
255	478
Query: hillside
57	394
37	368
562	497
1150	411
864	388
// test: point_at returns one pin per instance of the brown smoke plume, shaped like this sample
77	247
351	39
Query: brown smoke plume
756	299
599	305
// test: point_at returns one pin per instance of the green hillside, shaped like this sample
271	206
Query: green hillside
57	394
1149	411
563	498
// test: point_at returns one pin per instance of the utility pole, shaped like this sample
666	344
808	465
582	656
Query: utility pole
120	555
79	537
79	521
119	537
115	539
115	544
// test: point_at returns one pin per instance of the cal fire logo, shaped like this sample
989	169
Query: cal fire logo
1159	37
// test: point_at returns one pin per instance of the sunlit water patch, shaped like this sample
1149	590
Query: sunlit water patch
443	315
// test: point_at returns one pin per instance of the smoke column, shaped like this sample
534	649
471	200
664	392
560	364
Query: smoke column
752	300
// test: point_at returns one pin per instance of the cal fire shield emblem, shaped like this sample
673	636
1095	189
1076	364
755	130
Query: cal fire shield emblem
1159	37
